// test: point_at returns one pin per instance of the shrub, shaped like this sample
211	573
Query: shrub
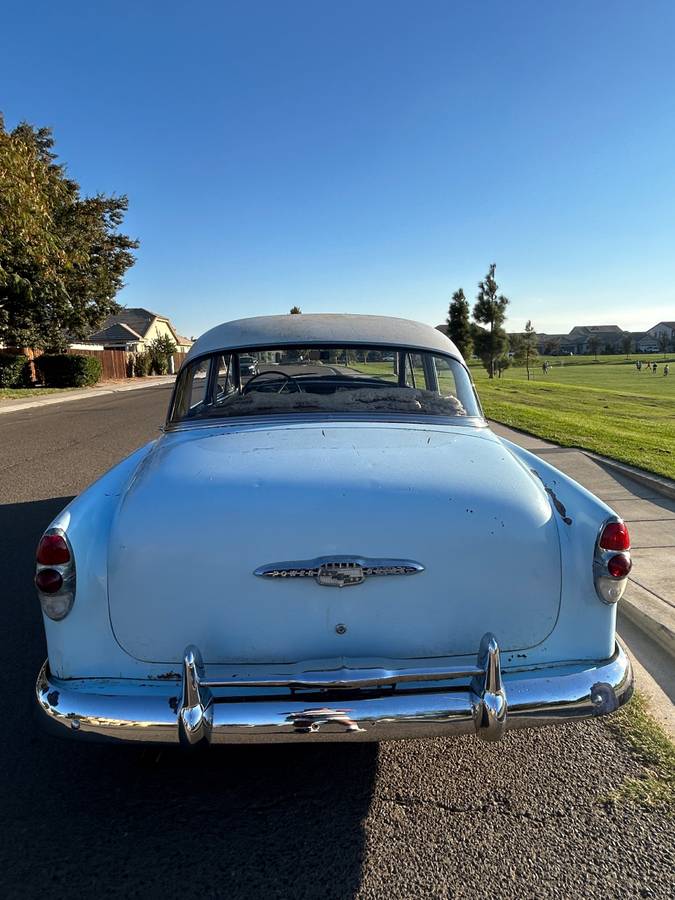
69	370
142	364
14	371
160	366
160	350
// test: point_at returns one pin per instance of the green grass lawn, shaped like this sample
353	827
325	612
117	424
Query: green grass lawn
610	408
22	393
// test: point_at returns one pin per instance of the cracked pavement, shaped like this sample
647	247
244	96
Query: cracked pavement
527	817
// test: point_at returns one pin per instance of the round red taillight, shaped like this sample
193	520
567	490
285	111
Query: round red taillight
53	550
49	581
619	566
615	537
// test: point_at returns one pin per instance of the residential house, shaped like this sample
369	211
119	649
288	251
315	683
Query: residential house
135	328
610	339
594	338
636	338
667	328
549	344
650	341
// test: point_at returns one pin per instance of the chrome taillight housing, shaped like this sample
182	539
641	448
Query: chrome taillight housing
611	561
55	574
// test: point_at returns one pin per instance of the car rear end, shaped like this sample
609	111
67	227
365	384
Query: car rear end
335	549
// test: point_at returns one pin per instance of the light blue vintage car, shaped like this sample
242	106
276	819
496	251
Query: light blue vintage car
332	545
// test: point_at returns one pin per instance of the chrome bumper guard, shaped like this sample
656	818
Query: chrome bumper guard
361	705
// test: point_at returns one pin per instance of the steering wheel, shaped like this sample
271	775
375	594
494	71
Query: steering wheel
288	378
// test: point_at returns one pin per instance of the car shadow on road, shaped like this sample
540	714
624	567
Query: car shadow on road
277	821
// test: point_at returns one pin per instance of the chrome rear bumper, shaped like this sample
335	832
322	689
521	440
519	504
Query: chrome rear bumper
365	705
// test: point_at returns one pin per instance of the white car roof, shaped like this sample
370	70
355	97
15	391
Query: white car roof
322	328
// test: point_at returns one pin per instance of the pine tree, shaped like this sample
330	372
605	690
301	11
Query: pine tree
526	352
490	310
459	326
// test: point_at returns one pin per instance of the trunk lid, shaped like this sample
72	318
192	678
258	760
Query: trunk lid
208	507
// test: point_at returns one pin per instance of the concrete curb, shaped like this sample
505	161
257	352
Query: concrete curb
653	616
657	483
69	397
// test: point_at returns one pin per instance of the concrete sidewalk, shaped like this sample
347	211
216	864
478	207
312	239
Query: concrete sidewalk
135	384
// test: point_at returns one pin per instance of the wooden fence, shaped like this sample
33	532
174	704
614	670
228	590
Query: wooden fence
116	364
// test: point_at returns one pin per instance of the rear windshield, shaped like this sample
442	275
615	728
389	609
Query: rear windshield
343	380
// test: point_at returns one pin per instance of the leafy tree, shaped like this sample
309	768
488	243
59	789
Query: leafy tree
552	347
626	342
295	310
593	345
62	258
459	326
502	364
526	353
142	364
490	310
161	349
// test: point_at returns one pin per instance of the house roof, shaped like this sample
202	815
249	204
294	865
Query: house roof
667	324
596	329
118	331
137	319
322	328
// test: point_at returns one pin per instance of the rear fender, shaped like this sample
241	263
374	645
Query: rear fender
586	626
83	644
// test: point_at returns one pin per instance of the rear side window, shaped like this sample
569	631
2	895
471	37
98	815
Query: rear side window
192	394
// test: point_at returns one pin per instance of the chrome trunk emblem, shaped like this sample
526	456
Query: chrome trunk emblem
339	571
340	574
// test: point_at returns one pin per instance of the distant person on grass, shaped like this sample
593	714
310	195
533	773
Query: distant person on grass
654	368
666	369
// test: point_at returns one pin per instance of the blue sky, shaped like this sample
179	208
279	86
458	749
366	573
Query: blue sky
368	156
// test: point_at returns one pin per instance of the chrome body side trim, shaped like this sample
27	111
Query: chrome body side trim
192	711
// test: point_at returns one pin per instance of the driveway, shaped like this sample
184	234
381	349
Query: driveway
528	817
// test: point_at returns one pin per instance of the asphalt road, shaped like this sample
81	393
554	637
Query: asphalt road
445	818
